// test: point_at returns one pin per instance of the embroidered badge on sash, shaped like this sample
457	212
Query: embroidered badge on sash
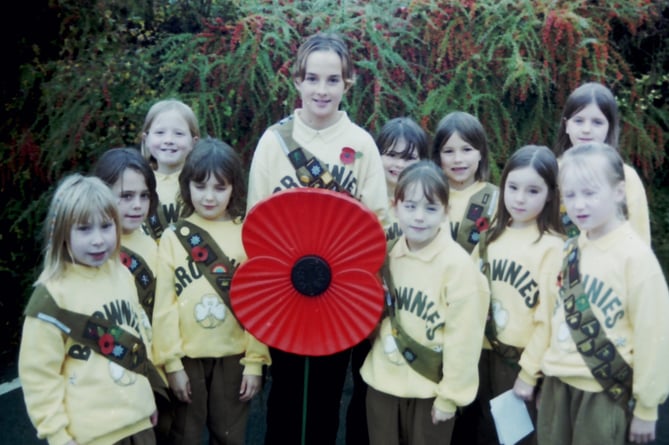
200	252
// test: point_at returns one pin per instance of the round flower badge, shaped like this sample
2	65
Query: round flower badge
348	155
310	286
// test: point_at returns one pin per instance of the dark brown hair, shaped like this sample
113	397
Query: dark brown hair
213	157
542	160
471	131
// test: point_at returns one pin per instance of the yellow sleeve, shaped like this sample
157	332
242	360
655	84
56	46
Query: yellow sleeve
41	359
532	356
257	355
167	345
259	177
648	308
467	298
637	203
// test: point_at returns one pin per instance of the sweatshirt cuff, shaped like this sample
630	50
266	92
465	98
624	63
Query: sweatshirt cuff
444	405
645	412
59	438
527	377
252	369
173	365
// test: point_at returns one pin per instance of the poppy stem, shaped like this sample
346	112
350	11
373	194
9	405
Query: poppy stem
304	400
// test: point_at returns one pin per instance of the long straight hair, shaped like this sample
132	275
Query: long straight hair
581	97
542	160
77	200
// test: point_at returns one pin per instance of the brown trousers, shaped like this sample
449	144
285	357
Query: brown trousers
145	437
215	384
403	421
570	416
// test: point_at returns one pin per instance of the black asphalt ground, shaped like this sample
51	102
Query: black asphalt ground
17	430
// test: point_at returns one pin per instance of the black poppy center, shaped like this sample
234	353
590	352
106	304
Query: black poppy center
311	275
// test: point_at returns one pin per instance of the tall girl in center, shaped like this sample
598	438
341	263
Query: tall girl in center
346	158
423	363
213	365
460	147
521	256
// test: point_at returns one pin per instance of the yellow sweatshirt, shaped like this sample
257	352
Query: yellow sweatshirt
361	174
72	393
190	318
628	294
167	187
523	269
442	304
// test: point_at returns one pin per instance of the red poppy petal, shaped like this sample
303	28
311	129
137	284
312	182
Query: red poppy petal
304	221
267	305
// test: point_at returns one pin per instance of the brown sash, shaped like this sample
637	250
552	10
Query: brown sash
477	217
209	258
310	171
425	361
145	282
99	334
605	362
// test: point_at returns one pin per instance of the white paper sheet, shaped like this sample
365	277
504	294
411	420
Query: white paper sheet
511	418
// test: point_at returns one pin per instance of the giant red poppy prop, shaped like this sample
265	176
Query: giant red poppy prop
309	285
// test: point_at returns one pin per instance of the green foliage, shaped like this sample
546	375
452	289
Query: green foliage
511	63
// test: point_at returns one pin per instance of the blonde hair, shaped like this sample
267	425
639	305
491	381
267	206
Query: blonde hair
77	200
613	168
161	107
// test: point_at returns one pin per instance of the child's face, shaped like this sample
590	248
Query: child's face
133	199
591	201
587	125
419	219
394	163
459	161
525	193
169	140
211	198
322	89
92	243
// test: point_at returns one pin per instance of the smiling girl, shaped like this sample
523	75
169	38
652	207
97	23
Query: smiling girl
317	146
83	304
460	147
169	133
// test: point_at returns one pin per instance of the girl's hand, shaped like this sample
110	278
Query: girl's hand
250	387
154	418
642	431
180	385
440	416
523	390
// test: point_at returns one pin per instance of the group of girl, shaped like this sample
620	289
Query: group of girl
483	293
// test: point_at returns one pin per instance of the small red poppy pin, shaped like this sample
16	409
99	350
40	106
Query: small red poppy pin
199	253
106	343
482	224
126	260
348	155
